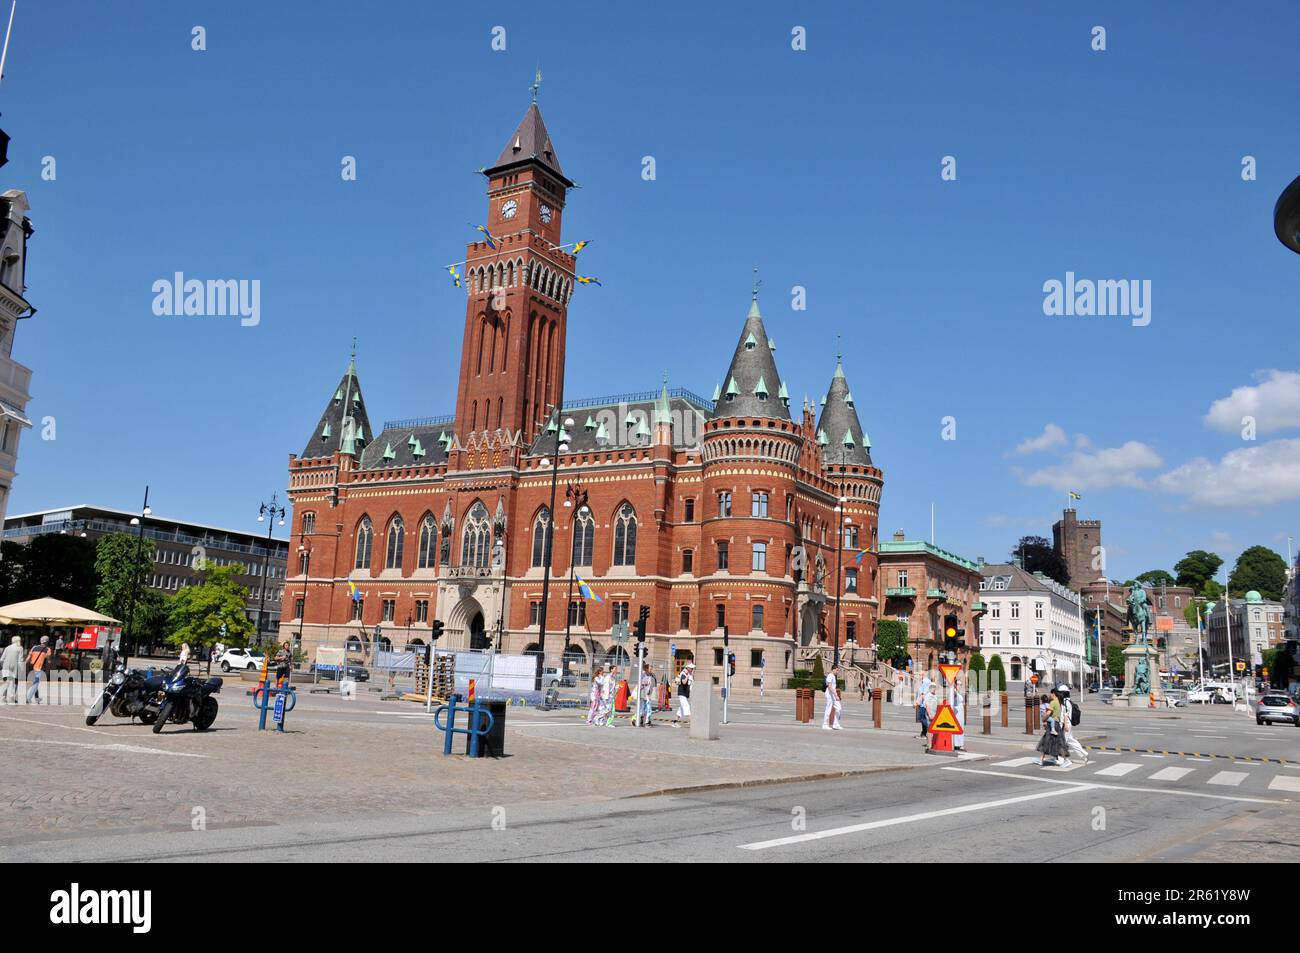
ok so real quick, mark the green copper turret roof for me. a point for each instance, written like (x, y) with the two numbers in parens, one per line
(840, 419)
(752, 365)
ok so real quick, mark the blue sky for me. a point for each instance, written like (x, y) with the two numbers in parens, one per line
(820, 166)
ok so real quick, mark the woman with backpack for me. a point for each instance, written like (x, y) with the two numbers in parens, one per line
(1052, 746)
(1071, 715)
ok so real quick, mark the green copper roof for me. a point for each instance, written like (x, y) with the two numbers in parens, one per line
(760, 389)
(325, 434)
(717, 393)
(732, 389)
(783, 394)
(848, 440)
(750, 341)
(821, 438)
(388, 452)
(590, 424)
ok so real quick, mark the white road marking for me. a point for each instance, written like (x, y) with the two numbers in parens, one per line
(1170, 774)
(1229, 778)
(1118, 770)
(1156, 756)
(910, 818)
(130, 749)
(1284, 783)
(1211, 737)
(1015, 763)
(1119, 787)
(55, 724)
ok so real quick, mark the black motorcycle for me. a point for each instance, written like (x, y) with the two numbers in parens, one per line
(128, 694)
(188, 699)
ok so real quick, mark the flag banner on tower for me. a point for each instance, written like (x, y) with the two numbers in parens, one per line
(584, 590)
(580, 246)
(861, 553)
(1075, 496)
(487, 236)
(587, 280)
(354, 591)
(451, 269)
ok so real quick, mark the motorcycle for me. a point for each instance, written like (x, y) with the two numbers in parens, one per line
(128, 694)
(188, 699)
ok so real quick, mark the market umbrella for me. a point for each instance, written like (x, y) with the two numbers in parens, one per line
(49, 612)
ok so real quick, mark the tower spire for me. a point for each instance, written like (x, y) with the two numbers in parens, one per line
(537, 82)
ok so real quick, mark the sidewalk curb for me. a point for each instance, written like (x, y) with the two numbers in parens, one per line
(796, 779)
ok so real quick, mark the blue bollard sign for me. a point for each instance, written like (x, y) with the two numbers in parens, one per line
(278, 715)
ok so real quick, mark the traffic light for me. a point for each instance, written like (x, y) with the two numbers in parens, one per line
(950, 631)
(731, 664)
(961, 638)
(435, 631)
(726, 636)
(640, 624)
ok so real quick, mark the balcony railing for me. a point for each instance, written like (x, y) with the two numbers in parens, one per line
(75, 527)
(901, 592)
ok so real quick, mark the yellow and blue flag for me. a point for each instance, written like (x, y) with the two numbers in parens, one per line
(861, 553)
(588, 280)
(1075, 496)
(451, 269)
(354, 591)
(585, 590)
(487, 236)
(580, 246)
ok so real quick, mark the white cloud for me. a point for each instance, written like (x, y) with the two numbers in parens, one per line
(1089, 469)
(1253, 476)
(1052, 436)
(1274, 403)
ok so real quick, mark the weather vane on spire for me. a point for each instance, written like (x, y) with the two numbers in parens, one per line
(537, 83)
(757, 281)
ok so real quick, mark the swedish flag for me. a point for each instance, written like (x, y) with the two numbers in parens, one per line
(1075, 496)
(588, 280)
(580, 246)
(584, 590)
(487, 236)
(451, 269)
(354, 591)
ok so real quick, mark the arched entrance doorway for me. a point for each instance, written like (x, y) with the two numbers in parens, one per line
(1015, 668)
(478, 640)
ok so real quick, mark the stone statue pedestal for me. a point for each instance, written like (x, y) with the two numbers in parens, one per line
(1132, 656)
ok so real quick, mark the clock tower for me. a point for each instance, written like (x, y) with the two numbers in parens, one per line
(512, 355)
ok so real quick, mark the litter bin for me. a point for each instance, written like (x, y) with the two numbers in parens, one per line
(803, 704)
(493, 744)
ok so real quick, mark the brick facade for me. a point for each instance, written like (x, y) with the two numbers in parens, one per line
(709, 512)
(1079, 543)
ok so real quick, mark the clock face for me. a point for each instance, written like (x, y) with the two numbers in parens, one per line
(508, 208)
(546, 214)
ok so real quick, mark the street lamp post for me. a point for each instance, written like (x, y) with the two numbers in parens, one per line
(304, 553)
(499, 553)
(575, 497)
(561, 446)
(138, 522)
(274, 511)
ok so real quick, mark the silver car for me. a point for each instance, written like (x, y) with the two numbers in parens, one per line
(1274, 707)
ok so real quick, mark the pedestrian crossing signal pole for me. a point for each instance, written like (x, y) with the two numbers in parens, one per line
(641, 623)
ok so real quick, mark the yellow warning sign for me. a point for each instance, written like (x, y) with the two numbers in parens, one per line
(945, 721)
(950, 672)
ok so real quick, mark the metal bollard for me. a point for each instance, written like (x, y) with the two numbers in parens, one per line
(875, 706)
(1038, 718)
(1003, 699)
(1030, 708)
(988, 717)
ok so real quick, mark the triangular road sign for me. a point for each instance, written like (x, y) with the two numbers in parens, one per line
(950, 672)
(945, 721)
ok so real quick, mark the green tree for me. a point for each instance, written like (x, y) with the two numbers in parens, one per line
(891, 641)
(1211, 590)
(1115, 660)
(197, 613)
(997, 675)
(1157, 577)
(120, 561)
(1037, 555)
(977, 663)
(1196, 567)
(54, 565)
(1260, 569)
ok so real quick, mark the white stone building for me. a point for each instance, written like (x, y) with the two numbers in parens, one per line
(1032, 622)
(15, 379)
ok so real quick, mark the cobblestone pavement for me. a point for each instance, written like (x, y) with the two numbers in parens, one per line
(365, 758)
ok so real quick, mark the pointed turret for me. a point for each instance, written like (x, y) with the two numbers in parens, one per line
(751, 374)
(839, 432)
(343, 425)
(529, 142)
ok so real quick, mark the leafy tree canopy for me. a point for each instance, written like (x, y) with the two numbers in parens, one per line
(1037, 555)
(1157, 577)
(891, 640)
(1261, 569)
(1196, 567)
(120, 560)
(197, 613)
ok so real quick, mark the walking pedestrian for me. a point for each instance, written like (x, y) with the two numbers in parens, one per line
(959, 709)
(184, 658)
(684, 680)
(922, 696)
(1052, 745)
(11, 671)
(831, 719)
(597, 694)
(37, 661)
(646, 701)
(1072, 745)
(611, 696)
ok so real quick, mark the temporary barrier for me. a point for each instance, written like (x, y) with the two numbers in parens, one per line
(480, 723)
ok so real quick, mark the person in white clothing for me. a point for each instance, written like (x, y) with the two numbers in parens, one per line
(684, 680)
(1067, 717)
(831, 719)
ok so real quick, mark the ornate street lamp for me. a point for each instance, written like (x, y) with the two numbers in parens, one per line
(575, 497)
(274, 511)
(1286, 216)
(128, 640)
(561, 446)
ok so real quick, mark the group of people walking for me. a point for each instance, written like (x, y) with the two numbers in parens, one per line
(1058, 743)
(36, 663)
(610, 693)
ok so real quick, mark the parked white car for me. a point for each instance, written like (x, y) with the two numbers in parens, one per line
(241, 659)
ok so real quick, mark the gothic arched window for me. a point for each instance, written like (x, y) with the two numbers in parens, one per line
(396, 540)
(428, 543)
(365, 540)
(542, 534)
(584, 530)
(625, 536)
(476, 543)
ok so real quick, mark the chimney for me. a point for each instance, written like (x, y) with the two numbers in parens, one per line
(899, 536)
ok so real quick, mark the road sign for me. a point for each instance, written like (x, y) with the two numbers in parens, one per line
(1241, 666)
(945, 721)
(278, 715)
(950, 672)
(620, 632)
